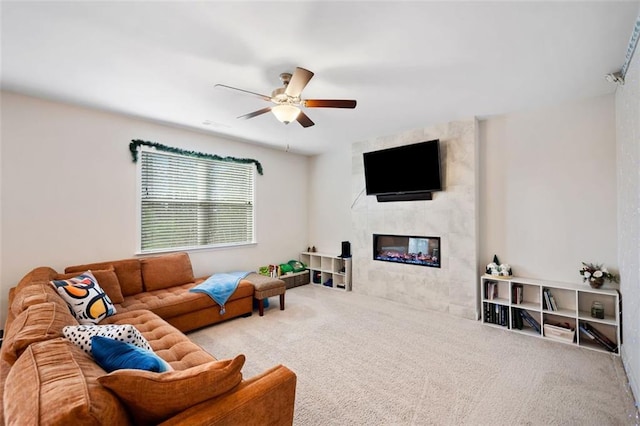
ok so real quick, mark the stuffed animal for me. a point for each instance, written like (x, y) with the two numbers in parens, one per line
(505, 270)
(498, 269)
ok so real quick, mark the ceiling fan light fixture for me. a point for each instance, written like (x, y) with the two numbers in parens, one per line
(286, 113)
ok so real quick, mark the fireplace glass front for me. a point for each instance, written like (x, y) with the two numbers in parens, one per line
(412, 250)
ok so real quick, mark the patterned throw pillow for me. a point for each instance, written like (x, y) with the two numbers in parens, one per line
(86, 300)
(81, 335)
(107, 279)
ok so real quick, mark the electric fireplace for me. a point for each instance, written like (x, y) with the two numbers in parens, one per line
(412, 250)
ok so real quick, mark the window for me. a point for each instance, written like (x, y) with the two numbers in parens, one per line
(189, 202)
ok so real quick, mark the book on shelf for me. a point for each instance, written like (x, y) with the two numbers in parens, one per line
(491, 290)
(554, 305)
(516, 294)
(530, 320)
(549, 301)
(516, 320)
(546, 303)
(597, 336)
(586, 332)
(496, 314)
(487, 312)
(591, 336)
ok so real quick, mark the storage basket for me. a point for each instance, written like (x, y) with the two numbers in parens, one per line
(559, 333)
(301, 279)
(295, 279)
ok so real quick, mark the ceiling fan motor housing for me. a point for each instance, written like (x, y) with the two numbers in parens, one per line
(285, 78)
(278, 96)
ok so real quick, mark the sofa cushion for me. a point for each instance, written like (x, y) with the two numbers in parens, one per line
(178, 300)
(165, 340)
(107, 279)
(127, 270)
(35, 294)
(40, 322)
(39, 274)
(153, 397)
(80, 335)
(166, 271)
(86, 299)
(54, 382)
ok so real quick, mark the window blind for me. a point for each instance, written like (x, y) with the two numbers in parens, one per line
(189, 202)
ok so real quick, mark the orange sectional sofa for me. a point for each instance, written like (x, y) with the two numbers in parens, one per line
(161, 284)
(46, 379)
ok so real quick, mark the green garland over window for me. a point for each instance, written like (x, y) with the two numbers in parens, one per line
(135, 143)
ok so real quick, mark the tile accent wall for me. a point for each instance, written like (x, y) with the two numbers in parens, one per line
(451, 215)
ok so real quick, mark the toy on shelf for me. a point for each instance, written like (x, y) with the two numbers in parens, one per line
(496, 268)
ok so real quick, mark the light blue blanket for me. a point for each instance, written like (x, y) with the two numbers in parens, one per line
(220, 287)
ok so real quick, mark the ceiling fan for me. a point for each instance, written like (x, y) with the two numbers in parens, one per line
(287, 99)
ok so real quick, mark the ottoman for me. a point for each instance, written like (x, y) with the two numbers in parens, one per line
(266, 287)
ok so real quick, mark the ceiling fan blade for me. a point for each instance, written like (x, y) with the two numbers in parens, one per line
(255, 113)
(329, 103)
(304, 120)
(264, 97)
(298, 82)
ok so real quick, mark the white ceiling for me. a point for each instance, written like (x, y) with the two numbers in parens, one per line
(408, 64)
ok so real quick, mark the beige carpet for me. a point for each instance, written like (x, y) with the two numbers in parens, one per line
(361, 360)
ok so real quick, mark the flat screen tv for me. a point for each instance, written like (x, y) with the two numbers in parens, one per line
(403, 173)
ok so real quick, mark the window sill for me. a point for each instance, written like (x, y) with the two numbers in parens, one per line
(194, 249)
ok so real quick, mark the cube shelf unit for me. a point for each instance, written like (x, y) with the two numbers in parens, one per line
(328, 267)
(572, 310)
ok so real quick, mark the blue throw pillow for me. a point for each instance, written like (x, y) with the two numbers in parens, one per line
(114, 355)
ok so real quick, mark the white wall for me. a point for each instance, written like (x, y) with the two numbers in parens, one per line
(628, 147)
(547, 181)
(69, 195)
(330, 200)
(3, 293)
(548, 189)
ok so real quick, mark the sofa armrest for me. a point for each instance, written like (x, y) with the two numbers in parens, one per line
(266, 399)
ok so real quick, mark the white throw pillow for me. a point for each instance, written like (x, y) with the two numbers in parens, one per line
(80, 335)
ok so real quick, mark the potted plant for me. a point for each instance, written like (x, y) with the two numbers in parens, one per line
(596, 274)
